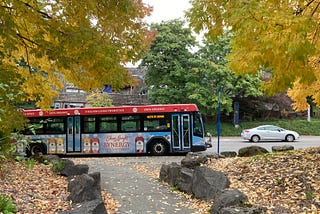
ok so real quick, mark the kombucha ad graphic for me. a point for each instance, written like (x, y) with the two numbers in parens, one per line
(87, 144)
(118, 143)
(139, 143)
(95, 144)
(60, 145)
(52, 145)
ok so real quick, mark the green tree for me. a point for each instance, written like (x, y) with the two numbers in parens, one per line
(99, 99)
(86, 42)
(211, 74)
(168, 62)
(281, 36)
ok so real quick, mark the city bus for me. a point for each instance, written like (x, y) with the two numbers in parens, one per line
(148, 129)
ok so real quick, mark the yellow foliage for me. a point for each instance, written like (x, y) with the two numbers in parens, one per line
(280, 36)
(44, 42)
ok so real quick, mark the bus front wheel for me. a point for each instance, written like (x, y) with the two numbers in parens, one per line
(158, 148)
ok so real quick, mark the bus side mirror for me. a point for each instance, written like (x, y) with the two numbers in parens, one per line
(209, 142)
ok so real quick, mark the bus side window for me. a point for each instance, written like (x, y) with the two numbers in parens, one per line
(108, 124)
(89, 124)
(55, 126)
(130, 123)
(36, 126)
(151, 123)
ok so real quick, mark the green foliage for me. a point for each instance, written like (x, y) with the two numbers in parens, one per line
(178, 75)
(211, 74)
(29, 163)
(99, 99)
(57, 166)
(6, 205)
(309, 195)
(168, 62)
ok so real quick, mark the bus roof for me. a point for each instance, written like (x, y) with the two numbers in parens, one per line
(112, 110)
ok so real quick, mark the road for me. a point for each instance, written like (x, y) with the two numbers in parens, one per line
(236, 143)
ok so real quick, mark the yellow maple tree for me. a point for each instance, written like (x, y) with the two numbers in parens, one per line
(86, 43)
(280, 36)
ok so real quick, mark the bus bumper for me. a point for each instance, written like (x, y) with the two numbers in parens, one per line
(198, 148)
(208, 144)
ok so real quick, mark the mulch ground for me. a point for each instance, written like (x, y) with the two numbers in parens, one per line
(282, 182)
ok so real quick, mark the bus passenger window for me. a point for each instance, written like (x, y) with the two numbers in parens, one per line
(130, 123)
(156, 123)
(89, 124)
(108, 124)
(36, 126)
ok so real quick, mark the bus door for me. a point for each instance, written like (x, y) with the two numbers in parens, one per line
(181, 138)
(73, 134)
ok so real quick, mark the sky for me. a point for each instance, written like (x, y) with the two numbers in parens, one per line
(164, 10)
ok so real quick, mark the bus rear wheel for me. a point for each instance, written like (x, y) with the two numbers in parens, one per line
(36, 149)
(158, 148)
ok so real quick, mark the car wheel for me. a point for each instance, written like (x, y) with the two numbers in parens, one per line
(255, 138)
(290, 138)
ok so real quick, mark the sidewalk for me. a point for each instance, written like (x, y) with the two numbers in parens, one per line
(136, 192)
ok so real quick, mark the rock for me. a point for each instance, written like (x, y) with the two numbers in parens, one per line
(164, 173)
(229, 154)
(186, 179)
(170, 173)
(194, 159)
(251, 151)
(174, 174)
(228, 198)
(83, 188)
(70, 169)
(89, 207)
(208, 183)
(282, 148)
(242, 210)
(213, 155)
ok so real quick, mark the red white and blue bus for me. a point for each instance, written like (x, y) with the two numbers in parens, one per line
(155, 129)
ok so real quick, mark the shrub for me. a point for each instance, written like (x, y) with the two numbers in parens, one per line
(6, 205)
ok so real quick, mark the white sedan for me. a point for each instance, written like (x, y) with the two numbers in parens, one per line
(269, 132)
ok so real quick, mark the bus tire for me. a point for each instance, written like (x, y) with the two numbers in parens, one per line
(158, 148)
(36, 149)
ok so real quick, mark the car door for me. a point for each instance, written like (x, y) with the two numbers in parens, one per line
(274, 133)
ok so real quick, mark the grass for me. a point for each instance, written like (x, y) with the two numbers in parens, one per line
(300, 125)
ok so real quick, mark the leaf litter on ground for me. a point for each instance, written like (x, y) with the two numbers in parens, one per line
(283, 182)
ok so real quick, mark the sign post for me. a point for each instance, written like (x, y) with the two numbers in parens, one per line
(218, 125)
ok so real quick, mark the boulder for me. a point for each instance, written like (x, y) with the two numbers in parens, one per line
(208, 183)
(229, 154)
(213, 155)
(282, 148)
(70, 169)
(252, 151)
(243, 210)
(194, 159)
(185, 181)
(84, 188)
(89, 207)
(228, 198)
(163, 176)
(170, 173)
(174, 174)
